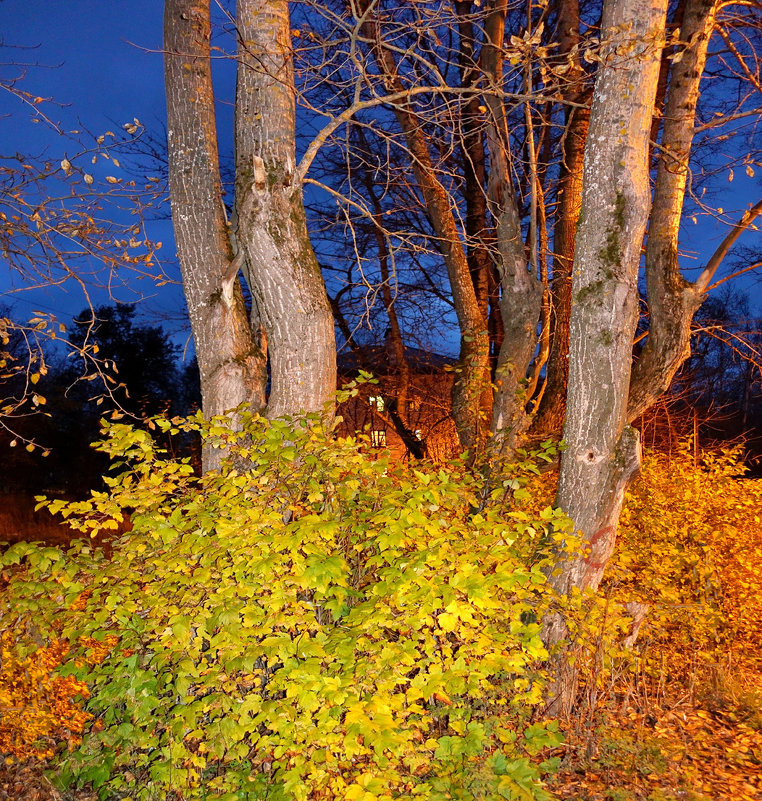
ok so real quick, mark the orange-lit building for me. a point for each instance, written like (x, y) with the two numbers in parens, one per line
(408, 420)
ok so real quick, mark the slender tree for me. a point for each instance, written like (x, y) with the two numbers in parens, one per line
(673, 300)
(606, 392)
(576, 89)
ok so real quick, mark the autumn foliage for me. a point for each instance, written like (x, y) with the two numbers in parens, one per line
(39, 709)
(307, 623)
(691, 547)
(314, 623)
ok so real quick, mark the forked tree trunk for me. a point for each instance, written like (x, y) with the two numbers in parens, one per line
(672, 301)
(603, 453)
(232, 368)
(270, 232)
(283, 272)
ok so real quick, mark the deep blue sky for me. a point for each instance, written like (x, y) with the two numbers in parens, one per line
(95, 59)
(101, 62)
(101, 59)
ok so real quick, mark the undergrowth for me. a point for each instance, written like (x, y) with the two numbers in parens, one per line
(314, 621)
(307, 622)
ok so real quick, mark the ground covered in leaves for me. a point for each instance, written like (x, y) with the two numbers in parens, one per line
(684, 753)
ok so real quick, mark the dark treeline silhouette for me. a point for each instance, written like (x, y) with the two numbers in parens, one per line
(121, 365)
(118, 365)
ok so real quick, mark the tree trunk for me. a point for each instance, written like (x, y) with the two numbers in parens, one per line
(269, 239)
(521, 291)
(603, 453)
(283, 273)
(231, 366)
(550, 415)
(672, 301)
(472, 146)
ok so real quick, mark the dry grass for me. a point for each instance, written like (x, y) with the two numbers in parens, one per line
(19, 522)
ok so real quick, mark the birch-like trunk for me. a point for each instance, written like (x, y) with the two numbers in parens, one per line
(232, 367)
(672, 301)
(603, 453)
(283, 273)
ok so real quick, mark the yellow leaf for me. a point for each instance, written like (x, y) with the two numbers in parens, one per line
(447, 621)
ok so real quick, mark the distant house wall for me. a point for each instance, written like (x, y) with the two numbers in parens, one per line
(428, 414)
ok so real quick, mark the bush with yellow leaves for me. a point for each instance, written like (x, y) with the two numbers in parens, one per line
(690, 546)
(305, 623)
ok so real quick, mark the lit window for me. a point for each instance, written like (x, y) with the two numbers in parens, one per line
(377, 401)
(378, 438)
(418, 434)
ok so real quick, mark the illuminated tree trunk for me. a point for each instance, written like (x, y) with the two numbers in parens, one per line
(550, 415)
(672, 301)
(603, 453)
(268, 236)
(474, 171)
(232, 367)
(283, 273)
(521, 292)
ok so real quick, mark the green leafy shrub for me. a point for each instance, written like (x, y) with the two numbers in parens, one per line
(306, 623)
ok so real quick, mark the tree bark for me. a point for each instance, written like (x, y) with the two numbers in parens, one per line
(472, 145)
(603, 453)
(672, 301)
(231, 366)
(521, 291)
(283, 273)
(550, 414)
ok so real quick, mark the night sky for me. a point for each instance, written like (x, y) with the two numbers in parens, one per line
(101, 66)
